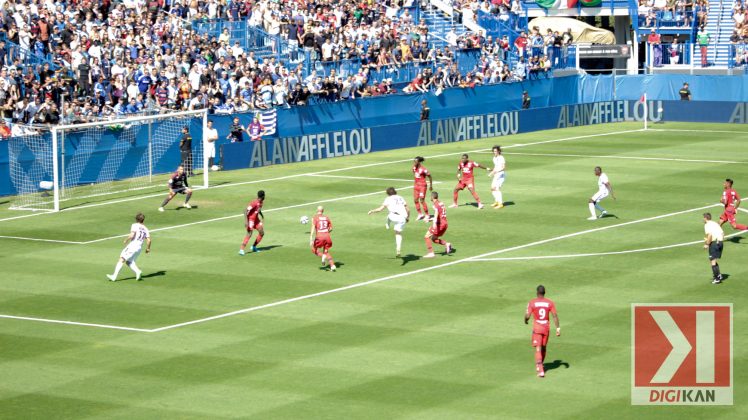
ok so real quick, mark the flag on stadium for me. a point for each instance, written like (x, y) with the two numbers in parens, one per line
(268, 120)
(643, 98)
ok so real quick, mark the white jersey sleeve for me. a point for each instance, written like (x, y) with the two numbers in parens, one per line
(601, 181)
(395, 205)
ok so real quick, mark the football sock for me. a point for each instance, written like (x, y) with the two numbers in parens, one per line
(166, 201)
(454, 197)
(398, 240)
(211, 162)
(439, 241)
(542, 355)
(117, 268)
(245, 241)
(592, 210)
(329, 258)
(597, 206)
(539, 359)
(715, 270)
(425, 209)
(740, 227)
(187, 199)
(134, 267)
(257, 241)
(497, 196)
(429, 246)
(418, 207)
(475, 195)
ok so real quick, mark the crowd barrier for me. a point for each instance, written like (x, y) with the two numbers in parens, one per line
(390, 122)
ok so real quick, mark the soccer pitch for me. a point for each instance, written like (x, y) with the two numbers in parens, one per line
(210, 334)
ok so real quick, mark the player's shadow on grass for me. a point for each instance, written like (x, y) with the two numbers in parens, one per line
(607, 215)
(555, 365)
(154, 274)
(268, 248)
(736, 239)
(338, 264)
(408, 258)
(193, 207)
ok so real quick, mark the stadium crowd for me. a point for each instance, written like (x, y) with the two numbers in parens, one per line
(144, 56)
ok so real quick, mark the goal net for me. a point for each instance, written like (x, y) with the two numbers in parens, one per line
(93, 162)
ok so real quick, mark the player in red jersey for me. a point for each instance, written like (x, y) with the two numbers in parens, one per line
(731, 200)
(540, 308)
(465, 179)
(319, 237)
(420, 173)
(252, 216)
(438, 228)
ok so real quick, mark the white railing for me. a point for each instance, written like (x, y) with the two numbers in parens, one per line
(447, 8)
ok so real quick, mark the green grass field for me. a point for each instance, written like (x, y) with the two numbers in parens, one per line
(410, 338)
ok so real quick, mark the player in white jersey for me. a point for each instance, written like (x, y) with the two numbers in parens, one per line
(499, 165)
(398, 216)
(138, 234)
(603, 190)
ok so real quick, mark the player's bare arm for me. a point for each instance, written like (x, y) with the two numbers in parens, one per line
(407, 213)
(527, 317)
(610, 190)
(708, 240)
(377, 210)
(148, 245)
(558, 325)
(312, 234)
(431, 182)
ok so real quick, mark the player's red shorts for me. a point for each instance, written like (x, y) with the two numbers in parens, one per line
(461, 184)
(539, 339)
(419, 191)
(438, 231)
(728, 215)
(322, 242)
(252, 225)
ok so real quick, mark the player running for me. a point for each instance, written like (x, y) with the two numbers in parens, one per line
(178, 185)
(540, 308)
(252, 216)
(731, 201)
(465, 179)
(603, 190)
(319, 237)
(138, 234)
(499, 165)
(255, 129)
(438, 228)
(399, 214)
(420, 173)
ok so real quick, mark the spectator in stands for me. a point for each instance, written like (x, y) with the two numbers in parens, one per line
(685, 93)
(675, 51)
(4, 130)
(656, 48)
(703, 38)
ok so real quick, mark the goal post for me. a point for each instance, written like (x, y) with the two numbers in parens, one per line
(94, 162)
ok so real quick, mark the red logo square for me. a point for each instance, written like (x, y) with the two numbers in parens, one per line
(681, 354)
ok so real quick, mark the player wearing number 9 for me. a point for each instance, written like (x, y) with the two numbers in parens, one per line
(539, 308)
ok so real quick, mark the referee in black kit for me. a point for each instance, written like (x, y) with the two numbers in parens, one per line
(425, 110)
(185, 148)
(713, 243)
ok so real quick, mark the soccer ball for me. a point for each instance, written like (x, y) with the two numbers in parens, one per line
(214, 168)
(304, 220)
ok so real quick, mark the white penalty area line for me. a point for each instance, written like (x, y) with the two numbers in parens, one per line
(366, 178)
(600, 254)
(80, 324)
(23, 238)
(361, 284)
(626, 157)
(348, 168)
(696, 131)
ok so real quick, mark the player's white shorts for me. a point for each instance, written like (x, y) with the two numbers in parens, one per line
(498, 180)
(599, 195)
(210, 149)
(397, 221)
(130, 254)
